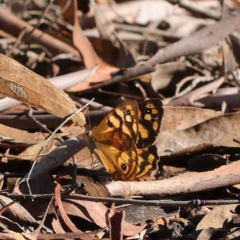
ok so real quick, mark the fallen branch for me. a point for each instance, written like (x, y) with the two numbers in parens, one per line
(186, 183)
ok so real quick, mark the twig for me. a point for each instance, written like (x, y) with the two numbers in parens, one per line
(163, 203)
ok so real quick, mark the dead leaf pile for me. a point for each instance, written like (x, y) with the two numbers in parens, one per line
(57, 56)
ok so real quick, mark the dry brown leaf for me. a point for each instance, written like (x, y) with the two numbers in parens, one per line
(20, 83)
(180, 118)
(217, 217)
(68, 13)
(95, 210)
(218, 131)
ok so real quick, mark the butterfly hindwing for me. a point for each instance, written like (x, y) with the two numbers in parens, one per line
(147, 161)
(150, 116)
(124, 157)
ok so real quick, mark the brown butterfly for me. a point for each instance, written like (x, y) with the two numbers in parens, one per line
(123, 140)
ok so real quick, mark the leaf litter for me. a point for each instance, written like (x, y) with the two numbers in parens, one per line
(58, 55)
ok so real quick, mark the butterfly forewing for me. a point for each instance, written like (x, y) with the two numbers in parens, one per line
(124, 117)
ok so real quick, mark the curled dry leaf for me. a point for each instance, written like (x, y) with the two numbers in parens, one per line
(190, 99)
(167, 72)
(22, 84)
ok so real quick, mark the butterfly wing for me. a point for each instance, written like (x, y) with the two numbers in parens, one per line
(123, 118)
(119, 156)
(150, 117)
(147, 161)
(114, 141)
(123, 140)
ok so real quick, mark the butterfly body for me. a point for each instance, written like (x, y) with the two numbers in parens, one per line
(123, 140)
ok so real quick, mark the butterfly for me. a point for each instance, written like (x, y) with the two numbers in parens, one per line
(123, 141)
